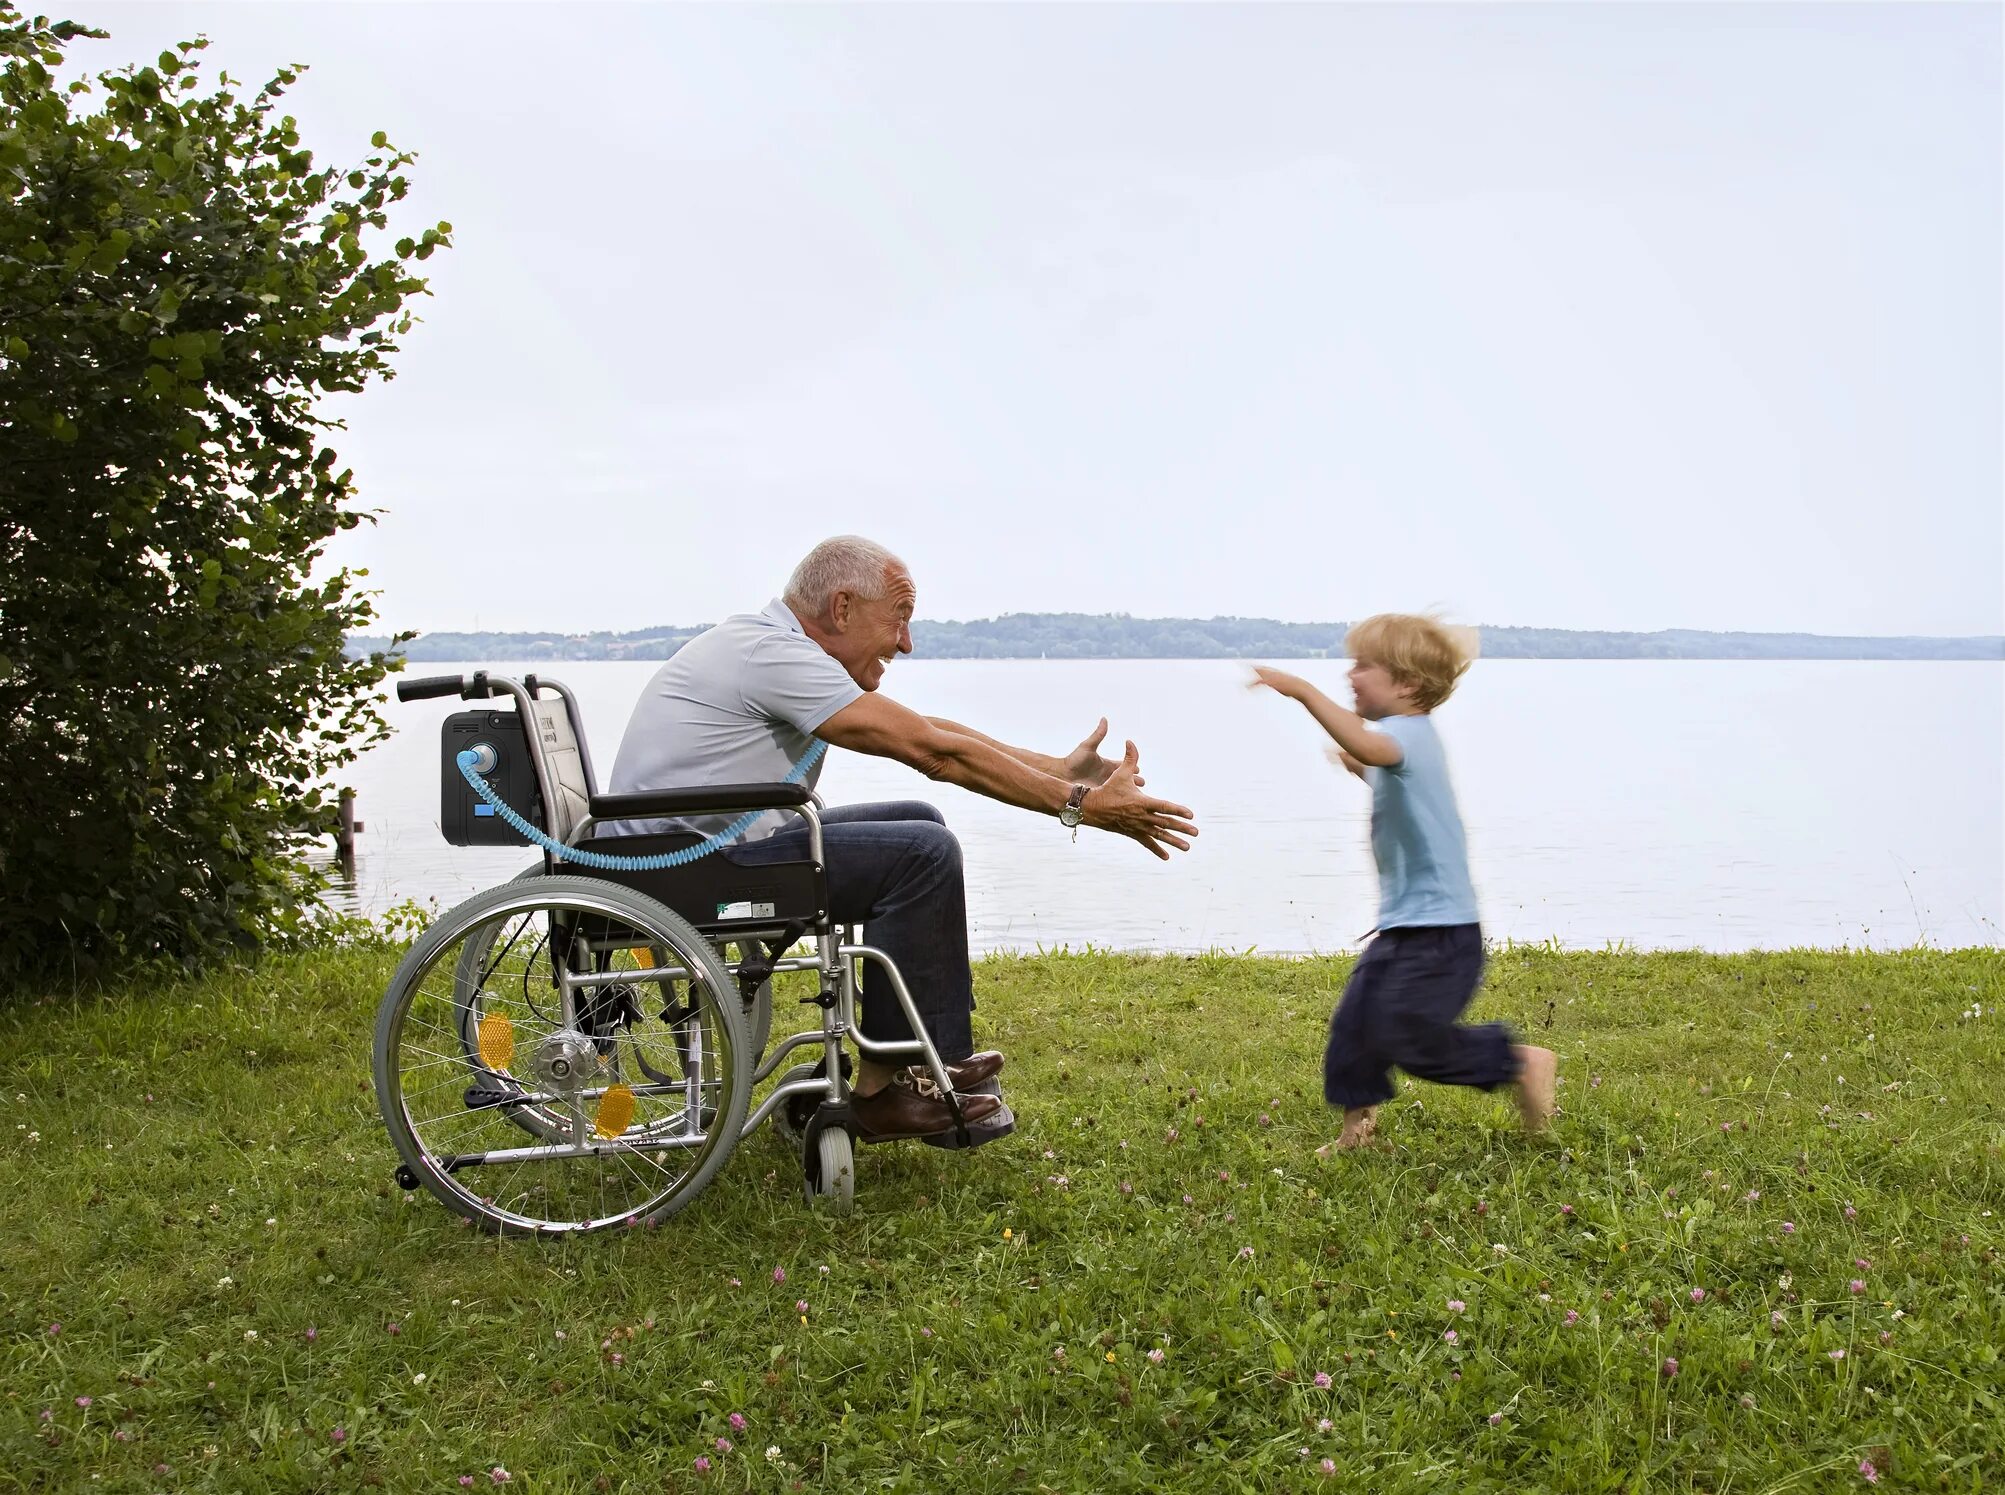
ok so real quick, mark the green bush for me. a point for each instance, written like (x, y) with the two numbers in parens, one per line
(179, 287)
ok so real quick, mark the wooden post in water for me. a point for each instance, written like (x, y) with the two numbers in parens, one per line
(345, 834)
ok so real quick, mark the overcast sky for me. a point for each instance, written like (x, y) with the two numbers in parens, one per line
(1584, 316)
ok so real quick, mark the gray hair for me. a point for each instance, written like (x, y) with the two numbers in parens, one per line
(847, 563)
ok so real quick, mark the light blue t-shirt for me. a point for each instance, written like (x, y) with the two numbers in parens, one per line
(1416, 832)
(738, 704)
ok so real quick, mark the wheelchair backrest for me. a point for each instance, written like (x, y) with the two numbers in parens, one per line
(564, 765)
(537, 760)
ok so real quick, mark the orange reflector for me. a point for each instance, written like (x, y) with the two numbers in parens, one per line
(497, 1040)
(616, 1111)
(643, 955)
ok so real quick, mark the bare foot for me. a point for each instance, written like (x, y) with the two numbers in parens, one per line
(1359, 1124)
(1537, 1073)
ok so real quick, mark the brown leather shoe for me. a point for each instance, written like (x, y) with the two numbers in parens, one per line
(899, 1111)
(975, 1069)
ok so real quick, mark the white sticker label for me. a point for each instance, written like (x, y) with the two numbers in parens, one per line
(745, 910)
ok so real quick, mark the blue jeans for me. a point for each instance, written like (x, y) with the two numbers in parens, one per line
(1400, 1009)
(896, 868)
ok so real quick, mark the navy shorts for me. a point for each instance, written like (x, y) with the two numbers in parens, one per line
(1399, 1010)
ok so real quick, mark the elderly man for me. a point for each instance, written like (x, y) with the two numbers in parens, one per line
(743, 702)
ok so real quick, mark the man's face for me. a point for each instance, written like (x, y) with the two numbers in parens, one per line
(871, 632)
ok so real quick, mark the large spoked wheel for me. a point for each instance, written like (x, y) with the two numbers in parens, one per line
(478, 950)
(601, 1025)
(469, 974)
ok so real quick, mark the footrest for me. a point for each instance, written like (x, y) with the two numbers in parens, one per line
(988, 1129)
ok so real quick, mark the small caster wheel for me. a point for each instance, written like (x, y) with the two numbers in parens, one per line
(406, 1179)
(836, 1188)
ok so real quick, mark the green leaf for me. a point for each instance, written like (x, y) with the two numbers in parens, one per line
(195, 701)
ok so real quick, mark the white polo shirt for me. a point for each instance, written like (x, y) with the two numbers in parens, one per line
(738, 704)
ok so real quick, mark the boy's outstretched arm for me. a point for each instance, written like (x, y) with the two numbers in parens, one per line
(1345, 727)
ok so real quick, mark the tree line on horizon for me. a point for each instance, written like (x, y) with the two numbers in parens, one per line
(1120, 636)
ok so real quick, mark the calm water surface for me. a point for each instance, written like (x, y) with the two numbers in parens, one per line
(1718, 805)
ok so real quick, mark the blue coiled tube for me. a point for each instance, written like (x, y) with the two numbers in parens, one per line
(608, 863)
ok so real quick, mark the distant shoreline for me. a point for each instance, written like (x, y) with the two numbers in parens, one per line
(1117, 636)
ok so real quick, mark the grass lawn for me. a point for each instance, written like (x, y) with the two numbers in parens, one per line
(1760, 1250)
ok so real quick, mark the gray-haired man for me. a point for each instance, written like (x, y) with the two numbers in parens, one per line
(741, 703)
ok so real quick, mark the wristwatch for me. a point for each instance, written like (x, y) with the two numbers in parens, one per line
(1074, 809)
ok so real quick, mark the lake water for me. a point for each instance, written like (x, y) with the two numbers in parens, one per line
(1719, 805)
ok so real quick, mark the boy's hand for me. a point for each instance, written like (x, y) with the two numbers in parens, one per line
(1344, 760)
(1278, 681)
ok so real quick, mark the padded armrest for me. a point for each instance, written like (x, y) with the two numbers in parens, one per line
(709, 799)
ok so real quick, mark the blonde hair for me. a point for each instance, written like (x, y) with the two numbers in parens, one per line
(1420, 652)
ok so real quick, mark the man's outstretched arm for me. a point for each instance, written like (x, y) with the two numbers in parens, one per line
(1083, 765)
(883, 728)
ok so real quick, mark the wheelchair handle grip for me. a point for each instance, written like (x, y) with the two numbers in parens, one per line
(431, 685)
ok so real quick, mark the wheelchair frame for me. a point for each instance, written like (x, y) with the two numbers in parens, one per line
(572, 808)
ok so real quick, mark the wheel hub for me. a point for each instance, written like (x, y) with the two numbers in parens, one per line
(565, 1061)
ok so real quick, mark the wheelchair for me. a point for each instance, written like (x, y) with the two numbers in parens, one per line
(576, 1050)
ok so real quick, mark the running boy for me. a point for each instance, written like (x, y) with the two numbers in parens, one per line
(1421, 969)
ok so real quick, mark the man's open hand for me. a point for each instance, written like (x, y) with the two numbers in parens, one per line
(1118, 805)
(1084, 765)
